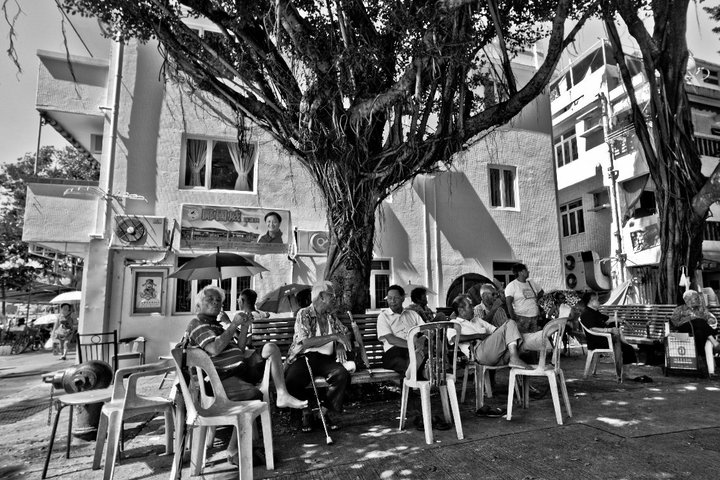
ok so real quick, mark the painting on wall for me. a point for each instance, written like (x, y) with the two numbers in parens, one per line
(147, 295)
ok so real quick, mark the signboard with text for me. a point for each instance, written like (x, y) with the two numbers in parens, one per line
(248, 230)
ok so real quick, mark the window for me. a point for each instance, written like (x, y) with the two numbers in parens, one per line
(502, 272)
(601, 199)
(185, 291)
(711, 77)
(566, 150)
(571, 217)
(502, 186)
(379, 283)
(219, 165)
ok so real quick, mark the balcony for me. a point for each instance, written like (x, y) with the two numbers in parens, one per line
(708, 146)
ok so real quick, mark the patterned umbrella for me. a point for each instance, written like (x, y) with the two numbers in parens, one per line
(219, 265)
(282, 299)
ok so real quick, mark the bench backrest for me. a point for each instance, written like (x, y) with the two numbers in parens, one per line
(642, 321)
(280, 331)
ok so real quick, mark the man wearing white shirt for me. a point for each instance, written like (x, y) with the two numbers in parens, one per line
(393, 325)
(495, 346)
(521, 296)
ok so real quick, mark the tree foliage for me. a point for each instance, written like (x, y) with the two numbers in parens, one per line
(365, 94)
(18, 269)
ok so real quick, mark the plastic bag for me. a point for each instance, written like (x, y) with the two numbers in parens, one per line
(49, 344)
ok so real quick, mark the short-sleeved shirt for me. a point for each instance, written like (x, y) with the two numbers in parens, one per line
(498, 318)
(470, 327)
(398, 324)
(306, 326)
(203, 330)
(684, 314)
(524, 297)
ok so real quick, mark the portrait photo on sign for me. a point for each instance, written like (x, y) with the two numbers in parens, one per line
(147, 291)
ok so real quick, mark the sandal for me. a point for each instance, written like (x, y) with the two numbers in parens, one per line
(307, 423)
(490, 412)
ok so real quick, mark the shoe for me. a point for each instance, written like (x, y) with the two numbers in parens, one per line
(307, 423)
(643, 379)
(330, 423)
(62, 358)
(490, 412)
(439, 423)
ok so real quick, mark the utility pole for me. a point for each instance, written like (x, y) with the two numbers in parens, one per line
(612, 175)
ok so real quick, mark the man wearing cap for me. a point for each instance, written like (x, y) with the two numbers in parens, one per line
(322, 339)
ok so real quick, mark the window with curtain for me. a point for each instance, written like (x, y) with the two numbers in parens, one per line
(503, 187)
(219, 165)
(572, 218)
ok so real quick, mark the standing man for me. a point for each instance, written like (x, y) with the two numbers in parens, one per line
(521, 296)
(324, 341)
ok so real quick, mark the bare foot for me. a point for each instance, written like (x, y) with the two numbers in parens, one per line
(288, 401)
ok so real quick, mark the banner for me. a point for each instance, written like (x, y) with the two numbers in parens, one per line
(248, 230)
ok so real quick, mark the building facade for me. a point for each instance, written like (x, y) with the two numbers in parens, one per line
(174, 184)
(609, 224)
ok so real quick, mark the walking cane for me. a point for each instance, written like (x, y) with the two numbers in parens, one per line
(328, 440)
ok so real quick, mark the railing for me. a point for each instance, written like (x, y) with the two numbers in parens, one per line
(709, 147)
(711, 231)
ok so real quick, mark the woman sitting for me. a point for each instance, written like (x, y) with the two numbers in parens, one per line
(695, 319)
(597, 322)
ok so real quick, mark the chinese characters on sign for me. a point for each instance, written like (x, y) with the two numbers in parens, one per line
(249, 230)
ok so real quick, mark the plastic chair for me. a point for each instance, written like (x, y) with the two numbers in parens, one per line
(594, 355)
(481, 376)
(131, 351)
(438, 363)
(216, 410)
(127, 403)
(72, 400)
(552, 331)
(98, 346)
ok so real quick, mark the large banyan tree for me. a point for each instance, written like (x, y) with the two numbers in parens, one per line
(665, 132)
(365, 94)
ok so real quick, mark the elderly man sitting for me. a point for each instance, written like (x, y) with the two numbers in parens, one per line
(695, 319)
(324, 341)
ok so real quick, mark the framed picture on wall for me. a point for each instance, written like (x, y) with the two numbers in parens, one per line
(148, 291)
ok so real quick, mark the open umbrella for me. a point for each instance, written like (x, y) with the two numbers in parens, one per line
(48, 319)
(218, 265)
(67, 297)
(282, 299)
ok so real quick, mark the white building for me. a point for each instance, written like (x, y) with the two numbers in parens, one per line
(581, 95)
(448, 231)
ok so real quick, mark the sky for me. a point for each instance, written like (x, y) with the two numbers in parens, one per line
(39, 27)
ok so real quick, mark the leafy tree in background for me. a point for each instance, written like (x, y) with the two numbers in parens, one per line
(364, 94)
(17, 269)
(666, 132)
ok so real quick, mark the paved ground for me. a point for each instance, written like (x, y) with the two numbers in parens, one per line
(667, 429)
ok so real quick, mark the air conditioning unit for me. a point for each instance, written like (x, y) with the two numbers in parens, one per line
(583, 271)
(138, 232)
(312, 242)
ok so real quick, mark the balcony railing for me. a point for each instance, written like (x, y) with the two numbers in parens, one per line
(708, 146)
(711, 231)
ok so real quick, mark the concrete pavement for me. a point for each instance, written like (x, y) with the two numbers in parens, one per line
(668, 429)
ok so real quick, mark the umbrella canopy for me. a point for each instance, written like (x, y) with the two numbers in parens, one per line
(282, 299)
(67, 297)
(219, 265)
(46, 319)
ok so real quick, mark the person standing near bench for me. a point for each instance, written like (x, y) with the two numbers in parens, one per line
(695, 319)
(521, 296)
(322, 339)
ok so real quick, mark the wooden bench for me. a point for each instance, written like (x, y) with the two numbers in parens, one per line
(280, 331)
(644, 324)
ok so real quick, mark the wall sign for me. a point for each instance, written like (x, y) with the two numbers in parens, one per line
(148, 291)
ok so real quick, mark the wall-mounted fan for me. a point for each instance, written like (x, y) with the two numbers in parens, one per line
(130, 230)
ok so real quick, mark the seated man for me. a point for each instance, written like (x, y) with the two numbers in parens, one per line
(254, 368)
(600, 323)
(695, 319)
(418, 297)
(494, 346)
(393, 325)
(491, 307)
(324, 341)
(204, 331)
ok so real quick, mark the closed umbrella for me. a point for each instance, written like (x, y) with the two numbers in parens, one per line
(219, 265)
(282, 299)
(67, 297)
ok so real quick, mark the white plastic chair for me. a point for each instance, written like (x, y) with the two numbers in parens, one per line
(438, 364)
(553, 331)
(127, 403)
(594, 355)
(217, 410)
(481, 377)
